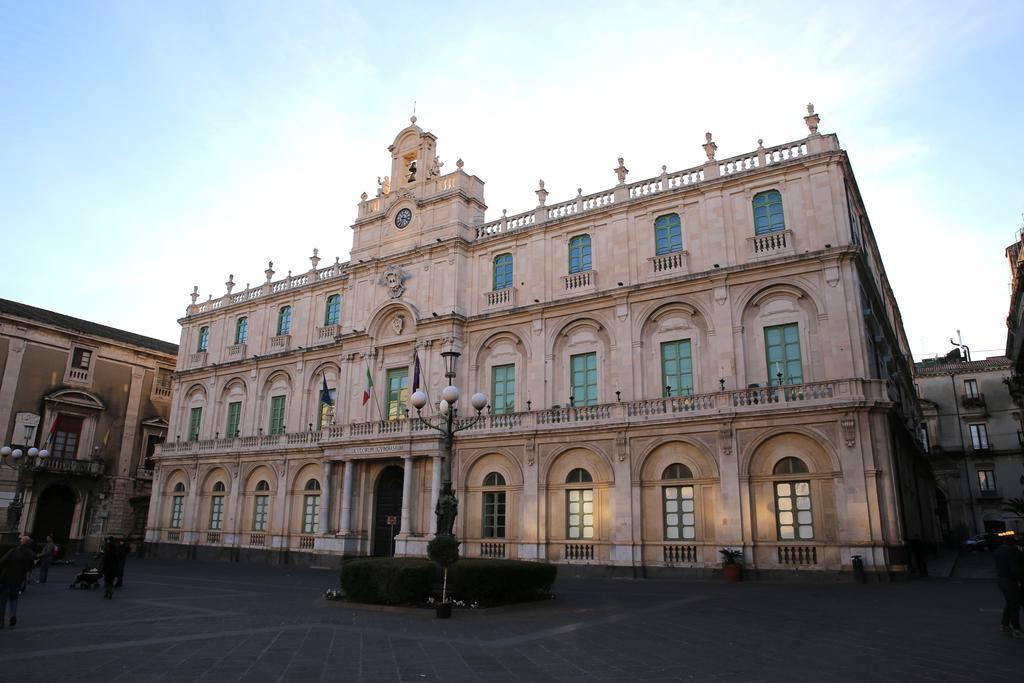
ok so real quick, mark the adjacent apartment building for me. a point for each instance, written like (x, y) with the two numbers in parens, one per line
(707, 358)
(971, 431)
(96, 400)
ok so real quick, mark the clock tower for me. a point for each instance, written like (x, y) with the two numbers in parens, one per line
(419, 204)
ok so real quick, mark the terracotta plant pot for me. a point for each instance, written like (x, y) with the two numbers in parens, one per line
(733, 572)
(444, 610)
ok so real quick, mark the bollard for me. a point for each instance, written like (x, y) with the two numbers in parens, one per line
(858, 570)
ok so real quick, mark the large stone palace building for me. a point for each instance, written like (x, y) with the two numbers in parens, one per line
(96, 399)
(707, 358)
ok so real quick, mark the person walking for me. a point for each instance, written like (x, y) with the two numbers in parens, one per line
(46, 558)
(1009, 574)
(123, 548)
(109, 565)
(14, 568)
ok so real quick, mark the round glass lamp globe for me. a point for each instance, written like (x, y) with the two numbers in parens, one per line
(44, 453)
(442, 407)
(16, 453)
(479, 401)
(5, 451)
(450, 394)
(418, 399)
(33, 452)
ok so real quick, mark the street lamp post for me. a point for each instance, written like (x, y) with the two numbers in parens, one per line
(16, 460)
(447, 504)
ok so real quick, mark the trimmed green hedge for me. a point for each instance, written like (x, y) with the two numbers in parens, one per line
(500, 582)
(388, 581)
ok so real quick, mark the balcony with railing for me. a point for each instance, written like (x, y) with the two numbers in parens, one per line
(500, 298)
(716, 405)
(82, 468)
(973, 401)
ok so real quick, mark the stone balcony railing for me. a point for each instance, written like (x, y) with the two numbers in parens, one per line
(236, 351)
(500, 298)
(674, 264)
(583, 281)
(325, 334)
(771, 244)
(719, 404)
(197, 360)
(280, 343)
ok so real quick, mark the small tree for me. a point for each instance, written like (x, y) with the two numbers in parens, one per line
(444, 550)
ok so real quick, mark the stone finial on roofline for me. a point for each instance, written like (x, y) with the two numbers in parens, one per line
(542, 194)
(315, 258)
(812, 119)
(230, 284)
(621, 172)
(710, 147)
(269, 271)
(194, 294)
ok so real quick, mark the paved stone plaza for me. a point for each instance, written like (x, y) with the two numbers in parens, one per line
(195, 621)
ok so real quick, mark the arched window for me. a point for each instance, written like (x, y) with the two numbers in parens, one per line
(332, 312)
(284, 321)
(494, 479)
(312, 485)
(793, 514)
(311, 508)
(579, 254)
(677, 470)
(204, 338)
(261, 505)
(790, 465)
(502, 271)
(241, 330)
(668, 234)
(177, 505)
(494, 507)
(678, 508)
(768, 213)
(579, 476)
(579, 506)
(217, 507)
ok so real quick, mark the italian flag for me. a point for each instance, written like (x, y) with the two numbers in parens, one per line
(369, 386)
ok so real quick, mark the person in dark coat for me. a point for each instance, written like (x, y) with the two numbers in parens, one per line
(46, 558)
(109, 566)
(14, 568)
(1009, 574)
(123, 548)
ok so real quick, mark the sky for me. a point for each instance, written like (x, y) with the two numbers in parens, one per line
(146, 147)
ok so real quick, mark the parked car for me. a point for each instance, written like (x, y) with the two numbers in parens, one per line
(984, 542)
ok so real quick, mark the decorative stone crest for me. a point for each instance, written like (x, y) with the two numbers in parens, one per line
(725, 439)
(392, 279)
(398, 324)
(849, 426)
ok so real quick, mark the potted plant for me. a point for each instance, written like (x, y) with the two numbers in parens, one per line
(444, 550)
(732, 563)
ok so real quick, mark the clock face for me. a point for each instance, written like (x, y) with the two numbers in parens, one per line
(402, 218)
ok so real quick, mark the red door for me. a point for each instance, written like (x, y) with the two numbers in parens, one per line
(66, 435)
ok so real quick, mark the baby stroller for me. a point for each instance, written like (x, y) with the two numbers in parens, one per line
(90, 578)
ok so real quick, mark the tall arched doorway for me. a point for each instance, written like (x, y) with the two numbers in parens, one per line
(55, 509)
(387, 510)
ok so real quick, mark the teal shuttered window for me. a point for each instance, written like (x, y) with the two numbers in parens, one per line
(676, 368)
(668, 234)
(768, 213)
(583, 368)
(782, 348)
